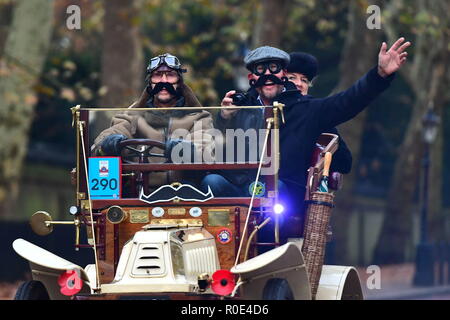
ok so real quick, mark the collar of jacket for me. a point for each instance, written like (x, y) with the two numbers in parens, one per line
(162, 118)
(289, 95)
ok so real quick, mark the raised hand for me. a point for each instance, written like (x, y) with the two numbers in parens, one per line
(390, 61)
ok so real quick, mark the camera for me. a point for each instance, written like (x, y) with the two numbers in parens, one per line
(240, 98)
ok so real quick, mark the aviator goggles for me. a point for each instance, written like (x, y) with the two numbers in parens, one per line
(167, 59)
(260, 68)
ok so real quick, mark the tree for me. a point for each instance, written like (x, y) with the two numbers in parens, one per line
(122, 58)
(270, 23)
(24, 53)
(5, 20)
(354, 63)
(427, 75)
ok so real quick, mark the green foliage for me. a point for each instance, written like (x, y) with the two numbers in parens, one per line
(211, 37)
(205, 36)
(69, 78)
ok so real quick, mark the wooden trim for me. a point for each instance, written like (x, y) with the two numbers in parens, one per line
(134, 202)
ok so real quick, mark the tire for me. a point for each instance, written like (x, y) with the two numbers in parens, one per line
(32, 290)
(277, 289)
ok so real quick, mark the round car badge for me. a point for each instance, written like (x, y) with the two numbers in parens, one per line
(224, 236)
(157, 212)
(195, 212)
(260, 189)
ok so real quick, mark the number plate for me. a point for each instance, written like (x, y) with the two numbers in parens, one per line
(104, 177)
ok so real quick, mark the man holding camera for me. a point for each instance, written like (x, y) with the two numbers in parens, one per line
(306, 117)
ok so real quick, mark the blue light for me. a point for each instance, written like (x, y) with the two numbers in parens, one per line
(278, 208)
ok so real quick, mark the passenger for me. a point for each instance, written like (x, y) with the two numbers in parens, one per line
(165, 88)
(306, 117)
(302, 71)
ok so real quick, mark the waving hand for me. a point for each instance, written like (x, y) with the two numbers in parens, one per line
(390, 61)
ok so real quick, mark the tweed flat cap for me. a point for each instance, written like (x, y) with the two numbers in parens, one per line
(266, 53)
(304, 63)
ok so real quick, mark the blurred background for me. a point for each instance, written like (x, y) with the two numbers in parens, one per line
(385, 214)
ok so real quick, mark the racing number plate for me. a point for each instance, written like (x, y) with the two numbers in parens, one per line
(104, 177)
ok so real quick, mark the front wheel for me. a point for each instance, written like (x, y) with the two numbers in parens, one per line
(277, 289)
(32, 290)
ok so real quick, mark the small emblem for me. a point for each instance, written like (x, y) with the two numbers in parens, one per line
(157, 212)
(259, 188)
(195, 212)
(224, 236)
(103, 168)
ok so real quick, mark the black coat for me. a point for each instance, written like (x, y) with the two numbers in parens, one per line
(342, 158)
(306, 118)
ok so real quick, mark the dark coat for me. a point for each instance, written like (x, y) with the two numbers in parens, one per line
(306, 118)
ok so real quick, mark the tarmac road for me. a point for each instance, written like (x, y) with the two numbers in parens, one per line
(443, 296)
(396, 284)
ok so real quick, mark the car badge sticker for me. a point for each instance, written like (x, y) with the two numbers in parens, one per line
(157, 212)
(103, 168)
(183, 192)
(224, 236)
(260, 189)
(195, 212)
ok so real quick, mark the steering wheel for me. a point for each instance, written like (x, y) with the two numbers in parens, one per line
(131, 146)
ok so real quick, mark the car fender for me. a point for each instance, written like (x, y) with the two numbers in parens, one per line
(339, 283)
(47, 267)
(284, 262)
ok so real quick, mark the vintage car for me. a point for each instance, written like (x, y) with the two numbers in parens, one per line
(177, 242)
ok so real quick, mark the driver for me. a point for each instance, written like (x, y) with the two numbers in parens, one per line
(165, 89)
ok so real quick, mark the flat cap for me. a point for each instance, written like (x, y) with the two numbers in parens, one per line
(303, 63)
(266, 53)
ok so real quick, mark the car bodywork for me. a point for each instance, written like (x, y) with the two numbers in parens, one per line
(177, 253)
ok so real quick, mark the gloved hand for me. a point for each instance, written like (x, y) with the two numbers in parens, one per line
(170, 144)
(110, 145)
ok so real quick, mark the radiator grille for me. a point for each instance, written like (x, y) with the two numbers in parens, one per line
(201, 260)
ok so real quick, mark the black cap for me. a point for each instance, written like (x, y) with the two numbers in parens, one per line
(303, 63)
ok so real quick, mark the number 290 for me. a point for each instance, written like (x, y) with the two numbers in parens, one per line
(104, 183)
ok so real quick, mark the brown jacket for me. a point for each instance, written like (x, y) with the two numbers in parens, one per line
(160, 126)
